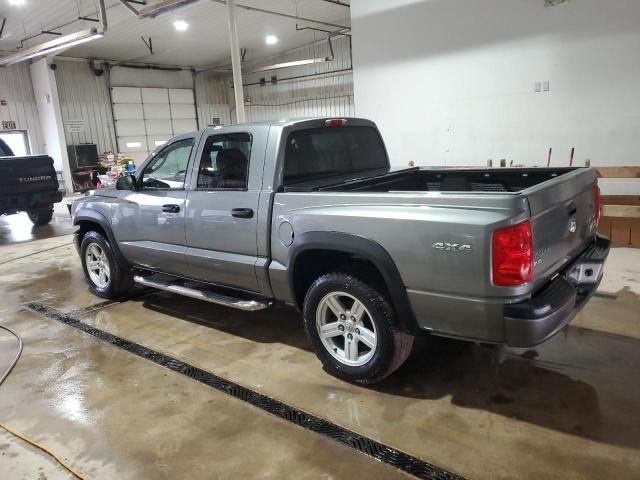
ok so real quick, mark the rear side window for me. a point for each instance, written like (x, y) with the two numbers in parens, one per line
(332, 151)
(225, 162)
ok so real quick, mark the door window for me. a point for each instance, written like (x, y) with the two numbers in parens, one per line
(169, 167)
(225, 162)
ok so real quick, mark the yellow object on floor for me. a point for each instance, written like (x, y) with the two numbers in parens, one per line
(44, 449)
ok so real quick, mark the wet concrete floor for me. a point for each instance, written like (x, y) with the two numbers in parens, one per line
(567, 409)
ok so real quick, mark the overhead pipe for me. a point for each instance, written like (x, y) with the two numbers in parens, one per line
(285, 15)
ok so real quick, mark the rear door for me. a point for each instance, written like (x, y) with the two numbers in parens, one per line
(150, 222)
(222, 215)
(563, 219)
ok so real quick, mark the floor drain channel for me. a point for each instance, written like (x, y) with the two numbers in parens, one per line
(391, 456)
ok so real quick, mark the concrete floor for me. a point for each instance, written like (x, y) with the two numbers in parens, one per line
(567, 409)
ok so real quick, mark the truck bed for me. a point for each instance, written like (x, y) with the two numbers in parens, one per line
(440, 180)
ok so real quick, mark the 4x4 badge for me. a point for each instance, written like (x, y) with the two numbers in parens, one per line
(452, 247)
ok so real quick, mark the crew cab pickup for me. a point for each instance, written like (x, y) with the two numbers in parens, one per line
(309, 213)
(28, 184)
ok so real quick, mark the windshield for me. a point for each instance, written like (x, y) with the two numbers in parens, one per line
(332, 151)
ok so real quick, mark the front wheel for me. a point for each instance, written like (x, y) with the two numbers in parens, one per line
(41, 216)
(106, 278)
(351, 327)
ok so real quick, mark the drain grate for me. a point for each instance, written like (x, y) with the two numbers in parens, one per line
(391, 456)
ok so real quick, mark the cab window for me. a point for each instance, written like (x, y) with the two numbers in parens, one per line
(169, 167)
(224, 164)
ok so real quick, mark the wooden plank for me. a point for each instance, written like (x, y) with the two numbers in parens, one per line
(624, 211)
(621, 233)
(635, 234)
(619, 172)
(620, 200)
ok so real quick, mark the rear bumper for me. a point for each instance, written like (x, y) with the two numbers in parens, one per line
(533, 321)
(20, 202)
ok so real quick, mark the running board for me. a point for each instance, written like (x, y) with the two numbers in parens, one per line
(211, 297)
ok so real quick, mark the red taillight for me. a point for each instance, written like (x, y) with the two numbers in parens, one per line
(512, 255)
(597, 203)
(335, 122)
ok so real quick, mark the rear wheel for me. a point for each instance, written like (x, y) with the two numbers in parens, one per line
(106, 277)
(351, 327)
(41, 216)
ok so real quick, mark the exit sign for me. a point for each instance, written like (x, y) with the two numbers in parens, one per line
(8, 125)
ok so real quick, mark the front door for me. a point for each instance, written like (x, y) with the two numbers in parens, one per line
(150, 226)
(222, 215)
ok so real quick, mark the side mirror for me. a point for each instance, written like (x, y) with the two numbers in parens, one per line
(128, 182)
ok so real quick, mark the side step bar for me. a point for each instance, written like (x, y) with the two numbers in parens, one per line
(217, 298)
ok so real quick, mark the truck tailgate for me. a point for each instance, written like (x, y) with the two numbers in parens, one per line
(27, 174)
(563, 220)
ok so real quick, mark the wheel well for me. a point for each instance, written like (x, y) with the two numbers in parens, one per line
(312, 264)
(85, 226)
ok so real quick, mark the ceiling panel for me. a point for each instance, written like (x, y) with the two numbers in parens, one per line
(205, 43)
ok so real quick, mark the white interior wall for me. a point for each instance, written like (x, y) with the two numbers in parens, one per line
(50, 117)
(452, 82)
(84, 100)
(17, 91)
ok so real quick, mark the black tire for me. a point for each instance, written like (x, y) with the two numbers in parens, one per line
(120, 280)
(392, 348)
(41, 216)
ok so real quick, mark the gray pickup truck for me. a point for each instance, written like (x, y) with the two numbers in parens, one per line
(309, 213)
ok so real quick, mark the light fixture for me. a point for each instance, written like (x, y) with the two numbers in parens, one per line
(60, 43)
(295, 63)
(271, 40)
(180, 25)
(133, 144)
(158, 143)
(16, 3)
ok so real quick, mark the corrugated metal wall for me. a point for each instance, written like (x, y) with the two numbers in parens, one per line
(212, 98)
(84, 97)
(17, 90)
(320, 89)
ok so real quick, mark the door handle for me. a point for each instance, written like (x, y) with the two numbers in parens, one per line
(171, 208)
(242, 212)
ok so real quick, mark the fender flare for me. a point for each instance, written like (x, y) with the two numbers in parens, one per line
(366, 249)
(98, 218)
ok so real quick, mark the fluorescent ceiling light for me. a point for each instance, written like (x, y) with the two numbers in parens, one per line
(133, 144)
(180, 25)
(60, 43)
(271, 40)
(295, 63)
(16, 3)
(159, 142)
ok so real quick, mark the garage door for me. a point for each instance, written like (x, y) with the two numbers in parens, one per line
(148, 117)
